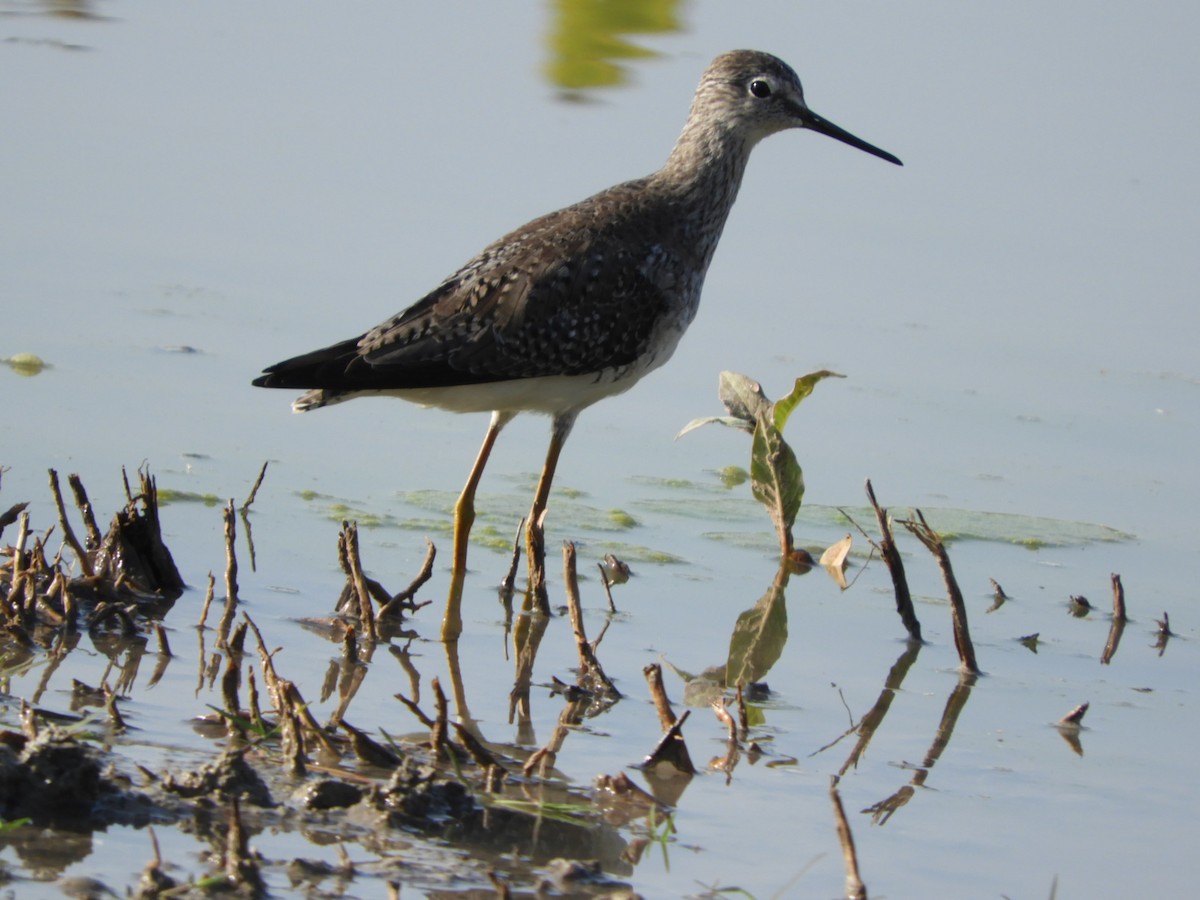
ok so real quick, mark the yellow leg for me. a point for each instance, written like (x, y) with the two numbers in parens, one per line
(535, 540)
(464, 518)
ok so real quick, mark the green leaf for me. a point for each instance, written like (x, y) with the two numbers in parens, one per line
(803, 387)
(743, 397)
(776, 480)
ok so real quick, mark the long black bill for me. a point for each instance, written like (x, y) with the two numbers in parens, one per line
(825, 127)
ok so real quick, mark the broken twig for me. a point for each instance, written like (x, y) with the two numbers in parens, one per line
(962, 634)
(891, 557)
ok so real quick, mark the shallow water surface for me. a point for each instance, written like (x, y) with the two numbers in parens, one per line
(196, 192)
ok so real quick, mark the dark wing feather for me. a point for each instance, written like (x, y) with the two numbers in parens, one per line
(549, 299)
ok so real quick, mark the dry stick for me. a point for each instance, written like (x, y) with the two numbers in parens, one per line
(293, 734)
(962, 635)
(891, 556)
(589, 665)
(230, 682)
(366, 612)
(369, 751)
(68, 533)
(1118, 599)
(38, 554)
(231, 567)
(275, 687)
(423, 576)
(575, 608)
(18, 562)
(254, 490)
(415, 710)
(535, 542)
(58, 588)
(304, 714)
(855, 889)
(231, 598)
(658, 693)
(84, 505)
(482, 756)
(252, 701)
(438, 738)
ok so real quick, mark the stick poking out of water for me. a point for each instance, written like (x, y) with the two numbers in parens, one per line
(962, 634)
(891, 556)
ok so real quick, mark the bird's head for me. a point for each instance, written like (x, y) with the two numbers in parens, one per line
(758, 94)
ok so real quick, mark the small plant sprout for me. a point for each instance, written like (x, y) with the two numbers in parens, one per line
(776, 479)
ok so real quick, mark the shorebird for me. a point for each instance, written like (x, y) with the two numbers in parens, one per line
(575, 306)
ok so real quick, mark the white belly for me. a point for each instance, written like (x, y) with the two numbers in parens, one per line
(552, 394)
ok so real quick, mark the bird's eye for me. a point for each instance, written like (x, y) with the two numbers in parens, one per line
(760, 88)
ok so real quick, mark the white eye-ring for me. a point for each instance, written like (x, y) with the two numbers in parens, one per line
(760, 88)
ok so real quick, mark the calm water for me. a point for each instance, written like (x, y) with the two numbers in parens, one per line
(191, 193)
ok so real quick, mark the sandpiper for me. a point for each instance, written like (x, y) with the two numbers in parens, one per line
(575, 306)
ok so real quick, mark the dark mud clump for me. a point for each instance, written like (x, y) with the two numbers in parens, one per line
(50, 780)
(227, 778)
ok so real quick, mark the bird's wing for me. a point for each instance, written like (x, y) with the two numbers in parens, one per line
(532, 304)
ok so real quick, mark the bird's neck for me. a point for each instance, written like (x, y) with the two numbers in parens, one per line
(703, 174)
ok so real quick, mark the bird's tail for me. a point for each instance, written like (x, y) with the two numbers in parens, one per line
(320, 372)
